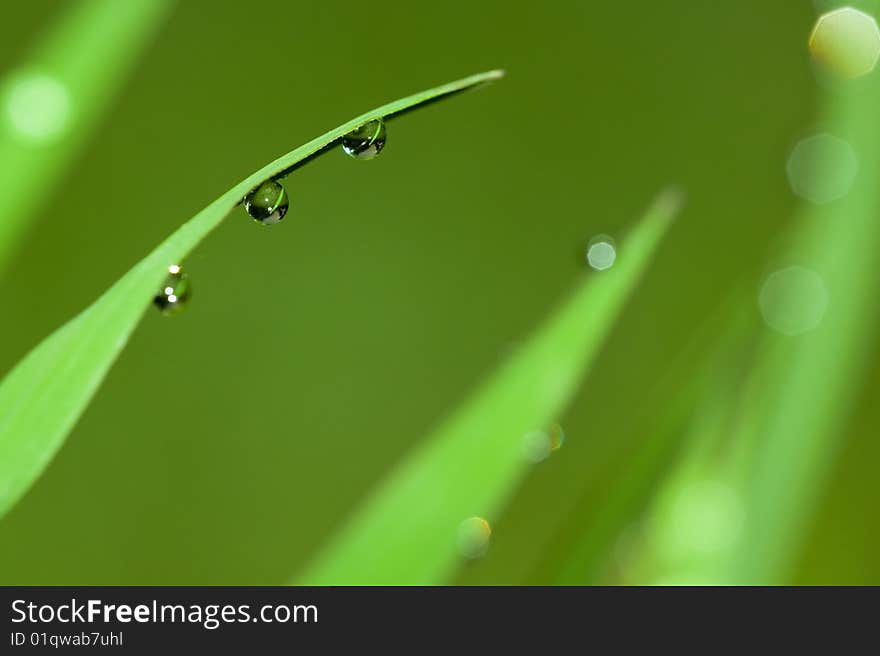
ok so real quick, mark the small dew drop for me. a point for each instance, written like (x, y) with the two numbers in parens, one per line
(365, 142)
(268, 203)
(601, 252)
(473, 537)
(174, 293)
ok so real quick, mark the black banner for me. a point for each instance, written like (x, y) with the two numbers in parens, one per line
(147, 619)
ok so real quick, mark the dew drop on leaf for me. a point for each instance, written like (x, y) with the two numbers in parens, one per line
(174, 293)
(268, 203)
(365, 142)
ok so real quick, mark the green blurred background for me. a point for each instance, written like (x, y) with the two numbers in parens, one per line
(229, 443)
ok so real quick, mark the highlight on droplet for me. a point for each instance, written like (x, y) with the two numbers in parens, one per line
(174, 293)
(474, 534)
(37, 107)
(793, 301)
(846, 42)
(822, 168)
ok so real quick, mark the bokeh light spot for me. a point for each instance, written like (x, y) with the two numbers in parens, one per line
(473, 537)
(37, 107)
(557, 437)
(536, 446)
(539, 444)
(794, 300)
(822, 168)
(705, 517)
(846, 41)
(601, 252)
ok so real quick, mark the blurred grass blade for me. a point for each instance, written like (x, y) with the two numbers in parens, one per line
(724, 345)
(44, 395)
(56, 96)
(790, 418)
(808, 382)
(406, 533)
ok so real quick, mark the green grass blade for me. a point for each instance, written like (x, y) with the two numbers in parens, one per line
(44, 395)
(83, 60)
(790, 418)
(406, 533)
(808, 382)
(723, 342)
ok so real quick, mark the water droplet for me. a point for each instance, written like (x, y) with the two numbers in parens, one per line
(822, 168)
(174, 292)
(601, 252)
(268, 203)
(793, 301)
(846, 41)
(473, 537)
(365, 142)
(38, 107)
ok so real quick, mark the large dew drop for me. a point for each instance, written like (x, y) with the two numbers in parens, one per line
(365, 142)
(268, 203)
(174, 293)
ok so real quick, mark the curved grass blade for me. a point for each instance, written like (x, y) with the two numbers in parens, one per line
(44, 395)
(55, 98)
(406, 533)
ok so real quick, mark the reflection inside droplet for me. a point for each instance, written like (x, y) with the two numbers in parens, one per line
(174, 293)
(366, 141)
(268, 203)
